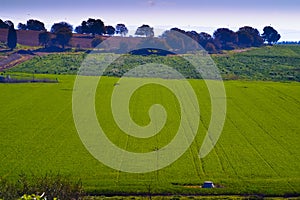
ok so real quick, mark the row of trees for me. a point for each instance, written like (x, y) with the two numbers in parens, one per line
(96, 26)
(60, 33)
(225, 39)
(222, 38)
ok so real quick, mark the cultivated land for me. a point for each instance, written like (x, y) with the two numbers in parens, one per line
(257, 153)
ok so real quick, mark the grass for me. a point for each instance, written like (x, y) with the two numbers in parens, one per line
(257, 153)
(275, 63)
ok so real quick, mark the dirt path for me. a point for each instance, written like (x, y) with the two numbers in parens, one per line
(14, 59)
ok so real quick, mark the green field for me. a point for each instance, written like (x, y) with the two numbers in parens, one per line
(257, 153)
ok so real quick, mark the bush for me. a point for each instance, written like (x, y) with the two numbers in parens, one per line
(49, 186)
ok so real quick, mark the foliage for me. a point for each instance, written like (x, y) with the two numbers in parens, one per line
(223, 39)
(204, 39)
(249, 37)
(121, 29)
(32, 24)
(145, 30)
(91, 26)
(9, 23)
(49, 186)
(174, 40)
(61, 25)
(22, 26)
(226, 38)
(210, 47)
(63, 32)
(110, 30)
(270, 35)
(12, 38)
(45, 38)
(52, 64)
(3, 24)
(33, 197)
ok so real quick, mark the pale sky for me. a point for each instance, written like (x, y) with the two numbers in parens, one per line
(198, 15)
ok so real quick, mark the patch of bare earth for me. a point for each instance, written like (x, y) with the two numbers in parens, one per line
(12, 60)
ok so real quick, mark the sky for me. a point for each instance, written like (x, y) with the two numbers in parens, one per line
(198, 15)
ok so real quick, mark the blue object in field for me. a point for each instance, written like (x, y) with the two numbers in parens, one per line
(208, 184)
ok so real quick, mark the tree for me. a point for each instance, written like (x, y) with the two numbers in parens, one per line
(270, 35)
(194, 35)
(78, 29)
(178, 30)
(63, 36)
(186, 41)
(121, 29)
(204, 39)
(12, 37)
(95, 26)
(57, 26)
(226, 38)
(3, 24)
(145, 30)
(9, 23)
(210, 47)
(44, 38)
(35, 25)
(245, 39)
(63, 32)
(22, 26)
(83, 28)
(91, 26)
(248, 36)
(174, 40)
(110, 30)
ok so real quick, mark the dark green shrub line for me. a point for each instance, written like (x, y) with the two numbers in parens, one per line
(50, 186)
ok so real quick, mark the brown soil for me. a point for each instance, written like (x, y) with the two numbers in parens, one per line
(13, 60)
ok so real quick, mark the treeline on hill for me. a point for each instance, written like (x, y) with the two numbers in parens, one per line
(222, 39)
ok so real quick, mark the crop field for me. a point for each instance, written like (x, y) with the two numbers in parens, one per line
(258, 151)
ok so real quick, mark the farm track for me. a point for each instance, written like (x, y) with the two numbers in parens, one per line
(13, 60)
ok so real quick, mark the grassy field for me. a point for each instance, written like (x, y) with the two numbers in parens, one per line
(257, 153)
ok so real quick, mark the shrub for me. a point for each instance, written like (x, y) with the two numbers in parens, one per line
(49, 186)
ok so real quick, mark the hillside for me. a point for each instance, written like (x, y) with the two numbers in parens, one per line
(276, 63)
